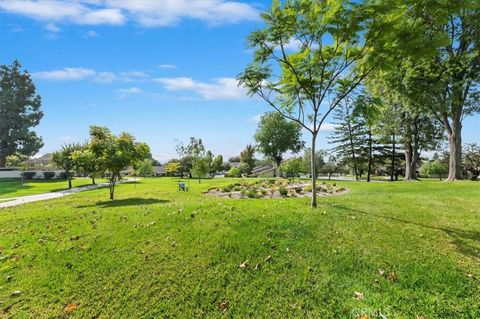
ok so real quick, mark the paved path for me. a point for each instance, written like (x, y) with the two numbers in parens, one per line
(15, 201)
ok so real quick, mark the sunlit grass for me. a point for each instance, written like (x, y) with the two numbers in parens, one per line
(410, 249)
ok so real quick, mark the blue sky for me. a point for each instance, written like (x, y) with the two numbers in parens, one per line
(161, 70)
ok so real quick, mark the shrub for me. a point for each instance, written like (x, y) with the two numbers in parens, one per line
(283, 191)
(237, 189)
(64, 175)
(29, 175)
(48, 175)
(264, 192)
(243, 193)
(308, 188)
(227, 189)
(251, 193)
(298, 190)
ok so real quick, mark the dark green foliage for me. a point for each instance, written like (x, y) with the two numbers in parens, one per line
(48, 175)
(19, 112)
(277, 135)
(29, 175)
(283, 191)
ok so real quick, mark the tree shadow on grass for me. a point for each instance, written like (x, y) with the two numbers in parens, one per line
(460, 236)
(126, 202)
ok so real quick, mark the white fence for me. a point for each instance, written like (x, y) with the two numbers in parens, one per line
(18, 174)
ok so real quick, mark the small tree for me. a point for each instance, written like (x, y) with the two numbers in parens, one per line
(144, 167)
(64, 159)
(234, 172)
(173, 167)
(292, 167)
(200, 168)
(277, 135)
(471, 160)
(217, 164)
(87, 163)
(116, 153)
(434, 168)
(331, 166)
(247, 156)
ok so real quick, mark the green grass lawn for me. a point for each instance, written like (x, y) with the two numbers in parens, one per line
(411, 249)
(13, 188)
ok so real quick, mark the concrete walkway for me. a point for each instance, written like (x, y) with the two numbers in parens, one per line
(15, 201)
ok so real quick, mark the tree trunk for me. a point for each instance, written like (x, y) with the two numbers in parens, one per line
(410, 162)
(392, 167)
(278, 162)
(455, 142)
(370, 154)
(112, 187)
(69, 182)
(93, 180)
(3, 161)
(314, 172)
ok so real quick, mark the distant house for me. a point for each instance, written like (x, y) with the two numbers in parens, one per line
(264, 171)
(42, 162)
(159, 170)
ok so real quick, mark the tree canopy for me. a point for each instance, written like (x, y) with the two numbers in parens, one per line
(19, 112)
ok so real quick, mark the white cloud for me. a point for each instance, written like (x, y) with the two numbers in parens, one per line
(91, 34)
(148, 13)
(66, 74)
(328, 127)
(72, 74)
(52, 27)
(221, 89)
(167, 66)
(131, 90)
(78, 12)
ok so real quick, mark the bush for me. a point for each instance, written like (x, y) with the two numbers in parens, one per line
(237, 189)
(251, 193)
(298, 190)
(283, 191)
(308, 188)
(234, 172)
(65, 175)
(29, 175)
(227, 189)
(48, 175)
(264, 192)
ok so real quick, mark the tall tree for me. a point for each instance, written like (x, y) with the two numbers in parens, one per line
(336, 45)
(348, 136)
(277, 135)
(452, 77)
(19, 112)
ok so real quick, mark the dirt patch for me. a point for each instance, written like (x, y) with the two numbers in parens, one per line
(275, 188)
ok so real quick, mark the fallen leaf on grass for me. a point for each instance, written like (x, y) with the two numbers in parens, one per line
(392, 276)
(16, 293)
(358, 295)
(269, 258)
(224, 306)
(244, 265)
(381, 272)
(71, 307)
